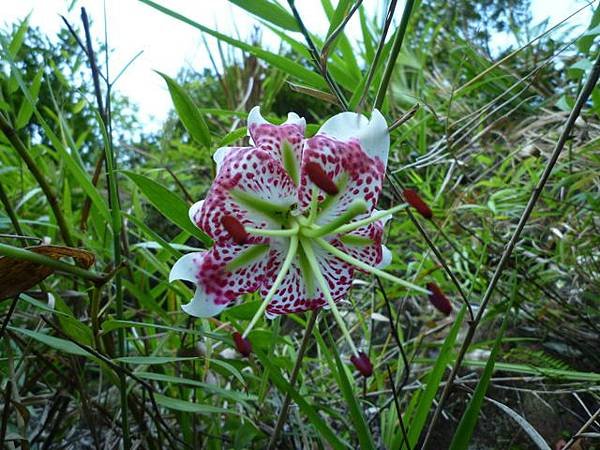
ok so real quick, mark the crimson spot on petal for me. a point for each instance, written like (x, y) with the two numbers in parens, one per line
(414, 200)
(318, 176)
(362, 364)
(438, 299)
(235, 229)
(242, 344)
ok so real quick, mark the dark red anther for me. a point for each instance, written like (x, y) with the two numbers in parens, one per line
(362, 364)
(235, 229)
(318, 176)
(242, 344)
(438, 299)
(415, 200)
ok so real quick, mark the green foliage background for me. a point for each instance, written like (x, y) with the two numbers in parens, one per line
(109, 359)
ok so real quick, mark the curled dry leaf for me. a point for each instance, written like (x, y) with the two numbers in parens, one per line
(17, 275)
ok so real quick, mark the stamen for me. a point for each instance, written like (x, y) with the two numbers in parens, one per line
(235, 229)
(242, 344)
(367, 268)
(379, 215)
(363, 364)
(314, 265)
(285, 267)
(415, 200)
(438, 299)
(356, 208)
(317, 175)
(274, 233)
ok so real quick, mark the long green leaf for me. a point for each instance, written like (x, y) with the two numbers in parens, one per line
(168, 204)
(281, 62)
(185, 406)
(269, 11)
(188, 112)
(59, 344)
(466, 426)
(425, 399)
(311, 413)
(365, 438)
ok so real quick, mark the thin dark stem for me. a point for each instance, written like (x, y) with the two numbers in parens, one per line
(295, 371)
(440, 258)
(406, 374)
(378, 52)
(398, 411)
(20, 148)
(335, 33)
(535, 194)
(9, 314)
(317, 59)
(10, 211)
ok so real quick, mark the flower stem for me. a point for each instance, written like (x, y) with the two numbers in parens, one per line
(286, 402)
(373, 218)
(314, 265)
(367, 268)
(282, 273)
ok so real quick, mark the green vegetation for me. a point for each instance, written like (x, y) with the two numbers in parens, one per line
(95, 350)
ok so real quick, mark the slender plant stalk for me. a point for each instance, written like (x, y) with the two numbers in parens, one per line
(375, 63)
(10, 211)
(396, 46)
(317, 58)
(20, 253)
(535, 194)
(20, 148)
(295, 371)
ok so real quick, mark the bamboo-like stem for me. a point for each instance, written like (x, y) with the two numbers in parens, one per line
(295, 371)
(396, 46)
(10, 211)
(20, 148)
(535, 194)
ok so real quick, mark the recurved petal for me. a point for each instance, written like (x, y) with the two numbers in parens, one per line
(284, 141)
(221, 275)
(372, 134)
(356, 175)
(364, 244)
(251, 187)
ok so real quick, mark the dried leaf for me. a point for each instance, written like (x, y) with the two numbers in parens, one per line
(17, 275)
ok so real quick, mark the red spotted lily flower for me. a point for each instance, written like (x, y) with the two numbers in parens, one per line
(293, 218)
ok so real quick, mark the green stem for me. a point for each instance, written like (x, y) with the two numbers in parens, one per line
(373, 218)
(356, 207)
(10, 211)
(20, 148)
(396, 46)
(367, 268)
(295, 371)
(314, 265)
(282, 273)
(19, 253)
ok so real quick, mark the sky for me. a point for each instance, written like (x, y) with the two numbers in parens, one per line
(169, 45)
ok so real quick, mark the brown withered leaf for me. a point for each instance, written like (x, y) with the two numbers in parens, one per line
(17, 275)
